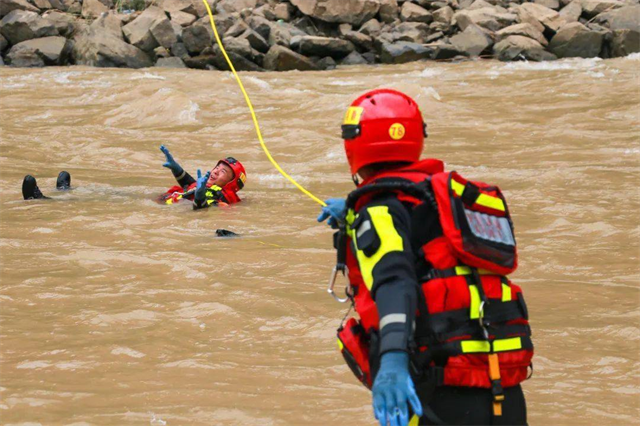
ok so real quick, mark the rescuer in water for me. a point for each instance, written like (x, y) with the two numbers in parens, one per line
(219, 186)
(442, 334)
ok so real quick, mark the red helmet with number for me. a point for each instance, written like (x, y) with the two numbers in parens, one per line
(383, 125)
(239, 174)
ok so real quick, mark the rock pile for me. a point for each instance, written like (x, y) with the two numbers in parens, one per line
(311, 34)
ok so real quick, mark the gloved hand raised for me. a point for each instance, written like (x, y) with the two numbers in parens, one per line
(201, 186)
(170, 163)
(392, 389)
(334, 210)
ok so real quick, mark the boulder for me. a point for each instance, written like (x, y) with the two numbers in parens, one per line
(239, 46)
(388, 11)
(164, 33)
(472, 41)
(39, 52)
(545, 19)
(109, 22)
(444, 15)
(402, 52)
(625, 18)
(354, 58)
(551, 4)
(339, 11)
(170, 63)
(283, 11)
(414, 13)
(372, 27)
(183, 19)
(518, 47)
(236, 29)
(482, 4)
(161, 52)
(65, 24)
(326, 63)
(262, 26)
(279, 35)
(21, 25)
(202, 62)
(230, 6)
(7, 6)
(576, 40)
(196, 38)
(99, 48)
(240, 63)
(414, 32)
(325, 46)
(201, 10)
(138, 31)
(178, 50)
(256, 41)
(280, 58)
(173, 6)
(3, 43)
(489, 18)
(362, 41)
(91, 9)
(525, 30)
(625, 42)
(591, 8)
(1, 61)
(571, 12)
(43, 4)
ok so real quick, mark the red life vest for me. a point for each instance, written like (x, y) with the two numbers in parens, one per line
(177, 193)
(466, 285)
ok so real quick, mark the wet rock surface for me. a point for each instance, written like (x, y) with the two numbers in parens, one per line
(306, 35)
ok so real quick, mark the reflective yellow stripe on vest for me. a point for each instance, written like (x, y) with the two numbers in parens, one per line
(506, 293)
(483, 346)
(483, 200)
(390, 241)
(474, 306)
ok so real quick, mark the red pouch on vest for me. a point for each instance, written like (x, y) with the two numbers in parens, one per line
(355, 350)
(476, 221)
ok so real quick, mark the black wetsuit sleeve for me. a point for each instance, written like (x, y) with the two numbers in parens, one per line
(212, 197)
(184, 179)
(381, 235)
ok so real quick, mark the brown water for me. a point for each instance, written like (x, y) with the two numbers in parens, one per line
(115, 310)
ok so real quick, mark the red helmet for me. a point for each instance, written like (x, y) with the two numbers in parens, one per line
(239, 174)
(383, 125)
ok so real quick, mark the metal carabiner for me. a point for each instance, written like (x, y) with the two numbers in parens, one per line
(332, 282)
(481, 320)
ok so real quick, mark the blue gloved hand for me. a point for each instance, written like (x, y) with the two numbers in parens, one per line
(170, 163)
(201, 186)
(334, 210)
(392, 389)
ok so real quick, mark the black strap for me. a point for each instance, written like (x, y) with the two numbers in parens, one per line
(421, 191)
(470, 194)
(455, 348)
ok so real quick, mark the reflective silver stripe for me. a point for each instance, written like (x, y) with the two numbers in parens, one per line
(392, 319)
(364, 227)
(182, 175)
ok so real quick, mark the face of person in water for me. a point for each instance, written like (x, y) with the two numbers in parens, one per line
(220, 175)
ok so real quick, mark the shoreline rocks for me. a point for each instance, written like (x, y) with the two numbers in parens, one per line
(284, 35)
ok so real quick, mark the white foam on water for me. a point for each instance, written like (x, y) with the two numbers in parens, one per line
(260, 83)
(633, 57)
(63, 77)
(595, 74)
(147, 76)
(430, 72)
(189, 115)
(343, 83)
(432, 92)
(563, 64)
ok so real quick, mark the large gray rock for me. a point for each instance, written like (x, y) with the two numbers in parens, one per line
(109, 22)
(414, 13)
(279, 35)
(170, 63)
(256, 41)
(372, 27)
(525, 30)
(625, 18)
(240, 46)
(541, 17)
(7, 6)
(3, 43)
(99, 48)
(571, 12)
(592, 8)
(551, 4)
(388, 11)
(339, 11)
(402, 52)
(200, 8)
(164, 33)
(486, 17)
(280, 58)
(325, 46)
(576, 40)
(625, 42)
(138, 32)
(196, 38)
(472, 41)
(362, 41)
(230, 6)
(64, 23)
(240, 63)
(93, 8)
(183, 19)
(173, 6)
(518, 47)
(354, 58)
(39, 52)
(413, 32)
(21, 25)
(444, 15)
(263, 27)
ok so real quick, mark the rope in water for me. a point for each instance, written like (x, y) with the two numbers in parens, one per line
(253, 114)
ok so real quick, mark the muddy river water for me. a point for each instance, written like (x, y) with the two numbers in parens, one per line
(115, 310)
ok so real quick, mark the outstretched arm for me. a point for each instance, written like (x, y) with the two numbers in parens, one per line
(183, 178)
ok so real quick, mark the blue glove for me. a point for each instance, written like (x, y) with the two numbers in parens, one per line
(392, 389)
(334, 210)
(201, 186)
(170, 163)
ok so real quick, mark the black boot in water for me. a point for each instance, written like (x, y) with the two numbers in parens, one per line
(30, 190)
(64, 181)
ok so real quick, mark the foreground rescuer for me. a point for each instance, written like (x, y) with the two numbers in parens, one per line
(443, 333)
(219, 186)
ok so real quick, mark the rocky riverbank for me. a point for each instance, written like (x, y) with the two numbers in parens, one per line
(310, 34)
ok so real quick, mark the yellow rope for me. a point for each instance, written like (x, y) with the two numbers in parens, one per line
(253, 114)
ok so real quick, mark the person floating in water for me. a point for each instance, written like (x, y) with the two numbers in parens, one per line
(219, 186)
(30, 190)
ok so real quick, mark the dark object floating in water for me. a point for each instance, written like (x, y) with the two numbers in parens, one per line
(64, 181)
(225, 233)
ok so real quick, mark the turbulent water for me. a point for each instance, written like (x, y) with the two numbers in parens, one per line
(115, 310)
